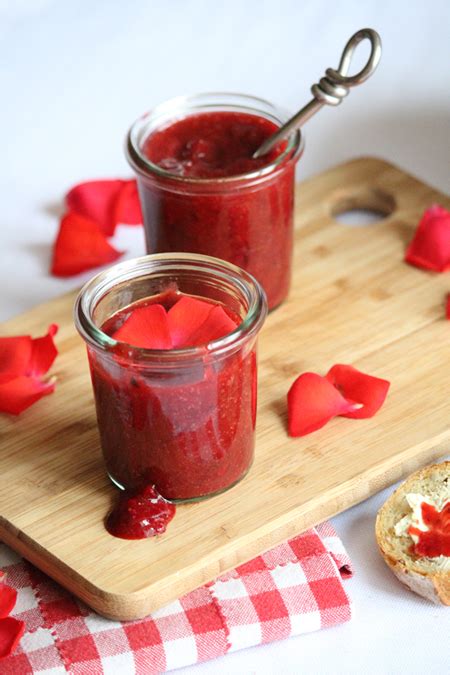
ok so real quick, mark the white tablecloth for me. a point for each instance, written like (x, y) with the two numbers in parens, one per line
(74, 75)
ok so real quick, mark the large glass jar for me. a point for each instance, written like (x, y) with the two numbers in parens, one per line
(181, 419)
(246, 219)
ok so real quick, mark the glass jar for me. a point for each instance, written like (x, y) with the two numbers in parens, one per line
(246, 219)
(180, 419)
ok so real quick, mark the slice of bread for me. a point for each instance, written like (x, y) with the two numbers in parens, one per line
(429, 577)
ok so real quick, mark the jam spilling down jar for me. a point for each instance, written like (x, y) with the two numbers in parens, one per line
(177, 408)
(202, 192)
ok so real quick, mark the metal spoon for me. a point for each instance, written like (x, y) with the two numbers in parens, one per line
(332, 88)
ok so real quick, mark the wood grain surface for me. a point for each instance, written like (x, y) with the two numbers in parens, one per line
(353, 301)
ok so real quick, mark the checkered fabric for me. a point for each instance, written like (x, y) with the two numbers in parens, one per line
(294, 588)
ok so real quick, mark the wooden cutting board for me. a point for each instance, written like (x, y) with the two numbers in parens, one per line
(353, 301)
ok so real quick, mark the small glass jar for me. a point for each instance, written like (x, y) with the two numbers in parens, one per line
(180, 419)
(245, 219)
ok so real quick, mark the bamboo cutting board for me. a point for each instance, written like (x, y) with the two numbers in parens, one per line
(353, 301)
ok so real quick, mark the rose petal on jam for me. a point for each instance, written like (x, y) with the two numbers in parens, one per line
(312, 402)
(80, 246)
(8, 597)
(20, 393)
(11, 631)
(146, 327)
(430, 246)
(15, 355)
(107, 202)
(185, 318)
(356, 386)
(217, 325)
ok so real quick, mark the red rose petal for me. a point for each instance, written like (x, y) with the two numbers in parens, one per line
(217, 325)
(20, 393)
(96, 200)
(8, 597)
(15, 355)
(107, 202)
(189, 322)
(11, 631)
(430, 246)
(128, 208)
(43, 353)
(23, 360)
(185, 318)
(312, 402)
(365, 389)
(80, 245)
(146, 327)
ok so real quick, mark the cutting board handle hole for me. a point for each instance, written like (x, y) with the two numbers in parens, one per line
(362, 208)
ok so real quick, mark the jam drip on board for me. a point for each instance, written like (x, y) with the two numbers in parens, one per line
(140, 515)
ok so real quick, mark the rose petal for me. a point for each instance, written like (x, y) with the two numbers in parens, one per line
(127, 209)
(15, 355)
(8, 597)
(96, 200)
(11, 631)
(312, 402)
(23, 355)
(430, 246)
(217, 325)
(186, 317)
(356, 386)
(20, 393)
(43, 353)
(80, 246)
(107, 202)
(146, 327)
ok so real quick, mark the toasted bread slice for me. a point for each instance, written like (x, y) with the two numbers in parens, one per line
(427, 576)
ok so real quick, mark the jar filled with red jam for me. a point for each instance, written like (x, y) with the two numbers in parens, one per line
(171, 342)
(201, 190)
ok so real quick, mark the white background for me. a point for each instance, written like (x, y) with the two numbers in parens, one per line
(74, 75)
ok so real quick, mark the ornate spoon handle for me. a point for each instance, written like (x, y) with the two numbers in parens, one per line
(332, 88)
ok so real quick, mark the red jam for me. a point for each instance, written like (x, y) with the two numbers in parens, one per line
(248, 222)
(436, 541)
(212, 145)
(190, 430)
(140, 515)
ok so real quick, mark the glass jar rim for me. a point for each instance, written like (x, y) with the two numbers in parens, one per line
(97, 287)
(209, 101)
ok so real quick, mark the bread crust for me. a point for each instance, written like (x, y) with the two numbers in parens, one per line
(432, 584)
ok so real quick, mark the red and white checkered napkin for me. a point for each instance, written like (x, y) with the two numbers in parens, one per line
(294, 588)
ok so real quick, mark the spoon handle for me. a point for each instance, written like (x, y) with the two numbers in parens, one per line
(332, 88)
